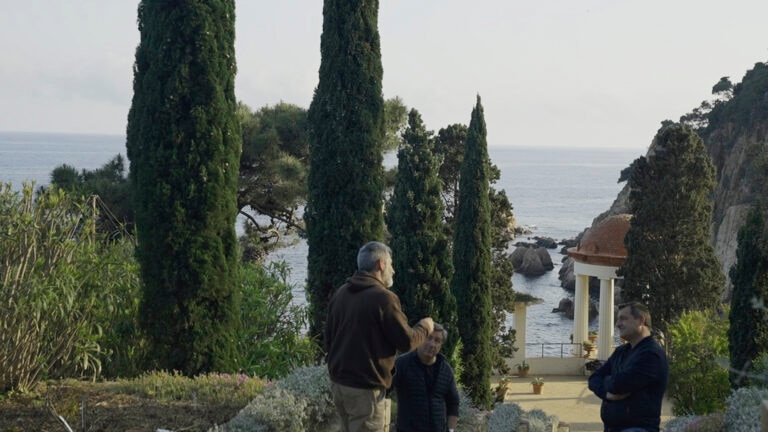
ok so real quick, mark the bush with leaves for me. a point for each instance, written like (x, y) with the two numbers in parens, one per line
(697, 383)
(57, 279)
(271, 341)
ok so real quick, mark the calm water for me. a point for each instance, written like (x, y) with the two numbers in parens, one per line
(558, 191)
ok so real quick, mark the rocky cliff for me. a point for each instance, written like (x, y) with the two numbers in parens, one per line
(735, 132)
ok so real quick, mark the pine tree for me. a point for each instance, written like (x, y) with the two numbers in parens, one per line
(346, 176)
(420, 248)
(747, 332)
(184, 144)
(671, 265)
(471, 283)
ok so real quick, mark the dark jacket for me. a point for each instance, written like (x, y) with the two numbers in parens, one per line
(642, 372)
(423, 404)
(366, 327)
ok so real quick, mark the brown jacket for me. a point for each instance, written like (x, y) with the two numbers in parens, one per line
(365, 328)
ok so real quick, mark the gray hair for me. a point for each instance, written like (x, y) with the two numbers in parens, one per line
(370, 254)
(440, 328)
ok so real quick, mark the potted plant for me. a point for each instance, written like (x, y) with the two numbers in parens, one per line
(588, 347)
(522, 368)
(538, 384)
(592, 336)
(501, 388)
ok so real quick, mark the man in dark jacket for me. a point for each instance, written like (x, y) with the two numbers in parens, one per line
(427, 396)
(366, 327)
(633, 380)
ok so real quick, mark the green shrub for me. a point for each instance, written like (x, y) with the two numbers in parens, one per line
(271, 341)
(213, 388)
(697, 383)
(56, 279)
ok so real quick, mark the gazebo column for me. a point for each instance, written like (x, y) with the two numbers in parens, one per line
(580, 312)
(605, 333)
(520, 318)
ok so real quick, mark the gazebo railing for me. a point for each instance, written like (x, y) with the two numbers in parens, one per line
(552, 349)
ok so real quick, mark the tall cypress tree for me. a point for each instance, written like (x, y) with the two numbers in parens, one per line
(670, 264)
(184, 144)
(747, 332)
(346, 176)
(471, 283)
(421, 250)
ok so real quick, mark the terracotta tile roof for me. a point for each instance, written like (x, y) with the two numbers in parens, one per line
(603, 244)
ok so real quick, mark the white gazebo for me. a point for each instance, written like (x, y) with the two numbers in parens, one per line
(599, 254)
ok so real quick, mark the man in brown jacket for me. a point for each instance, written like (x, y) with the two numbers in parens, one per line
(365, 328)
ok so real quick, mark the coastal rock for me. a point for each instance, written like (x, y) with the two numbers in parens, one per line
(566, 307)
(531, 260)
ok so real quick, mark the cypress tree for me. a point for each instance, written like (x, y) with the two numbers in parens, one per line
(184, 144)
(346, 176)
(747, 332)
(420, 247)
(670, 264)
(471, 283)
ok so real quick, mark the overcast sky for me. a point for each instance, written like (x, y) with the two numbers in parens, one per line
(564, 73)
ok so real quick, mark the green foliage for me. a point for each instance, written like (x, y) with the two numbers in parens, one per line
(184, 143)
(395, 122)
(270, 341)
(110, 184)
(671, 266)
(420, 247)
(697, 384)
(58, 283)
(212, 388)
(748, 332)
(273, 175)
(745, 109)
(123, 348)
(449, 145)
(471, 283)
(346, 176)
(449, 148)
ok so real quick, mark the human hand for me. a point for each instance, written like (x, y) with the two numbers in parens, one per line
(428, 324)
(615, 397)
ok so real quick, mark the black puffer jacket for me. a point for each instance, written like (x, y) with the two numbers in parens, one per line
(423, 405)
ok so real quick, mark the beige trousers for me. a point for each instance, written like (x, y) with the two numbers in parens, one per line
(361, 410)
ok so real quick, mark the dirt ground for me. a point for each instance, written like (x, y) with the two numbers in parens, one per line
(105, 411)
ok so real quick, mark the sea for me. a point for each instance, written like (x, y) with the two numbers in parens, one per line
(556, 192)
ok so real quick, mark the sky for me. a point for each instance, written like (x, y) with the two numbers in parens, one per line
(550, 73)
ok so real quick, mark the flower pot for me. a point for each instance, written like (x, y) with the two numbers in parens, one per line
(537, 388)
(522, 373)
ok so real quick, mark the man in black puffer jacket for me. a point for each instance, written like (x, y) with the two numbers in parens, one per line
(427, 396)
(632, 381)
